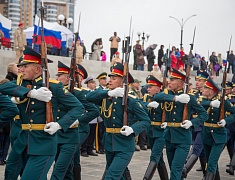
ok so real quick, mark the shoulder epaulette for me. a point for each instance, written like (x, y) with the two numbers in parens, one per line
(191, 93)
(132, 96)
(131, 91)
(54, 81)
(200, 98)
(78, 89)
(83, 88)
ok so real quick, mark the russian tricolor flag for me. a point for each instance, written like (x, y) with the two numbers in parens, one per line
(5, 27)
(51, 36)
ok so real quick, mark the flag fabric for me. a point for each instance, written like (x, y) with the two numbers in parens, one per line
(5, 27)
(51, 34)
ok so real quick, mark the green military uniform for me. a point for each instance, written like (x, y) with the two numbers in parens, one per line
(32, 140)
(155, 134)
(214, 136)
(119, 148)
(177, 139)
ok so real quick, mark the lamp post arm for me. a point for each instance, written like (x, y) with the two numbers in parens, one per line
(188, 19)
(181, 25)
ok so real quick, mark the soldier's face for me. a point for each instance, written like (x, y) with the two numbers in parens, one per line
(91, 85)
(31, 71)
(64, 78)
(207, 92)
(115, 81)
(136, 86)
(153, 90)
(228, 91)
(175, 84)
(103, 81)
(199, 83)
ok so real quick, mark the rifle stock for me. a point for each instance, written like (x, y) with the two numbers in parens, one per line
(45, 73)
(222, 98)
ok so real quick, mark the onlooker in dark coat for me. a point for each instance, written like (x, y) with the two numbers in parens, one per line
(139, 57)
(160, 56)
(150, 58)
(203, 64)
(12, 71)
(213, 61)
(231, 61)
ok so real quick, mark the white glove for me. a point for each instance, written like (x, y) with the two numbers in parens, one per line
(186, 124)
(183, 98)
(117, 92)
(164, 125)
(126, 130)
(215, 103)
(153, 104)
(14, 100)
(222, 123)
(74, 123)
(52, 127)
(41, 94)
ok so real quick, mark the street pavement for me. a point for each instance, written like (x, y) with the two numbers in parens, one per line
(93, 167)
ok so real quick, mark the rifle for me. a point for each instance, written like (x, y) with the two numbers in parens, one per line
(186, 87)
(125, 76)
(45, 72)
(222, 98)
(73, 77)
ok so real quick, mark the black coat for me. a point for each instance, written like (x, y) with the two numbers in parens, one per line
(11, 76)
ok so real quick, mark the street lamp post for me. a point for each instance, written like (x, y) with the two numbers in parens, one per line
(182, 23)
(144, 39)
(67, 22)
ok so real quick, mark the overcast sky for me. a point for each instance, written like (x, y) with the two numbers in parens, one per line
(214, 22)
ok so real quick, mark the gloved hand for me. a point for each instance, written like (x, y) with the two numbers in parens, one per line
(164, 125)
(221, 123)
(126, 130)
(74, 123)
(153, 104)
(14, 100)
(215, 103)
(117, 92)
(41, 94)
(186, 124)
(52, 127)
(183, 98)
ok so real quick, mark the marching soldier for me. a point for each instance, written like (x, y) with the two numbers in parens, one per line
(214, 134)
(37, 139)
(68, 142)
(119, 140)
(102, 79)
(231, 132)
(177, 134)
(197, 147)
(155, 132)
(19, 41)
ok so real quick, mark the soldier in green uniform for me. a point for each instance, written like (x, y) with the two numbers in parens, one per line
(37, 139)
(68, 141)
(155, 132)
(102, 79)
(231, 133)
(84, 129)
(214, 134)
(197, 147)
(177, 134)
(119, 140)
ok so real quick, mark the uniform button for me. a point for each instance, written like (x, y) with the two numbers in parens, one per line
(212, 119)
(114, 110)
(212, 113)
(212, 131)
(115, 102)
(58, 110)
(57, 117)
(211, 107)
(34, 87)
(113, 117)
(174, 113)
(154, 113)
(116, 97)
(174, 106)
(153, 118)
(113, 124)
(32, 102)
(32, 111)
(31, 120)
(173, 119)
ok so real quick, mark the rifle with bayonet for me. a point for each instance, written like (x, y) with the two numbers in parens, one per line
(186, 83)
(222, 98)
(125, 76)
(73, 77)
(45, 72)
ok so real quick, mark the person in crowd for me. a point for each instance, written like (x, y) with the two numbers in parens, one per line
(84, 48)
(97, 46)
(139, 50)
(160, 56)
(79, 52)
(150, 58)
(231, 61)
(19, 41)
(173, 58)
(116, 59)
(203, 64)
(103, 56)
(196, 62)
(213, 62)
(114, 44)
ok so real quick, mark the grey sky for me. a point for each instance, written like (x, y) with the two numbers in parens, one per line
(214, 21)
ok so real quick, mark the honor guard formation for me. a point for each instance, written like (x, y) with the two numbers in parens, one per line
(55, 122)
